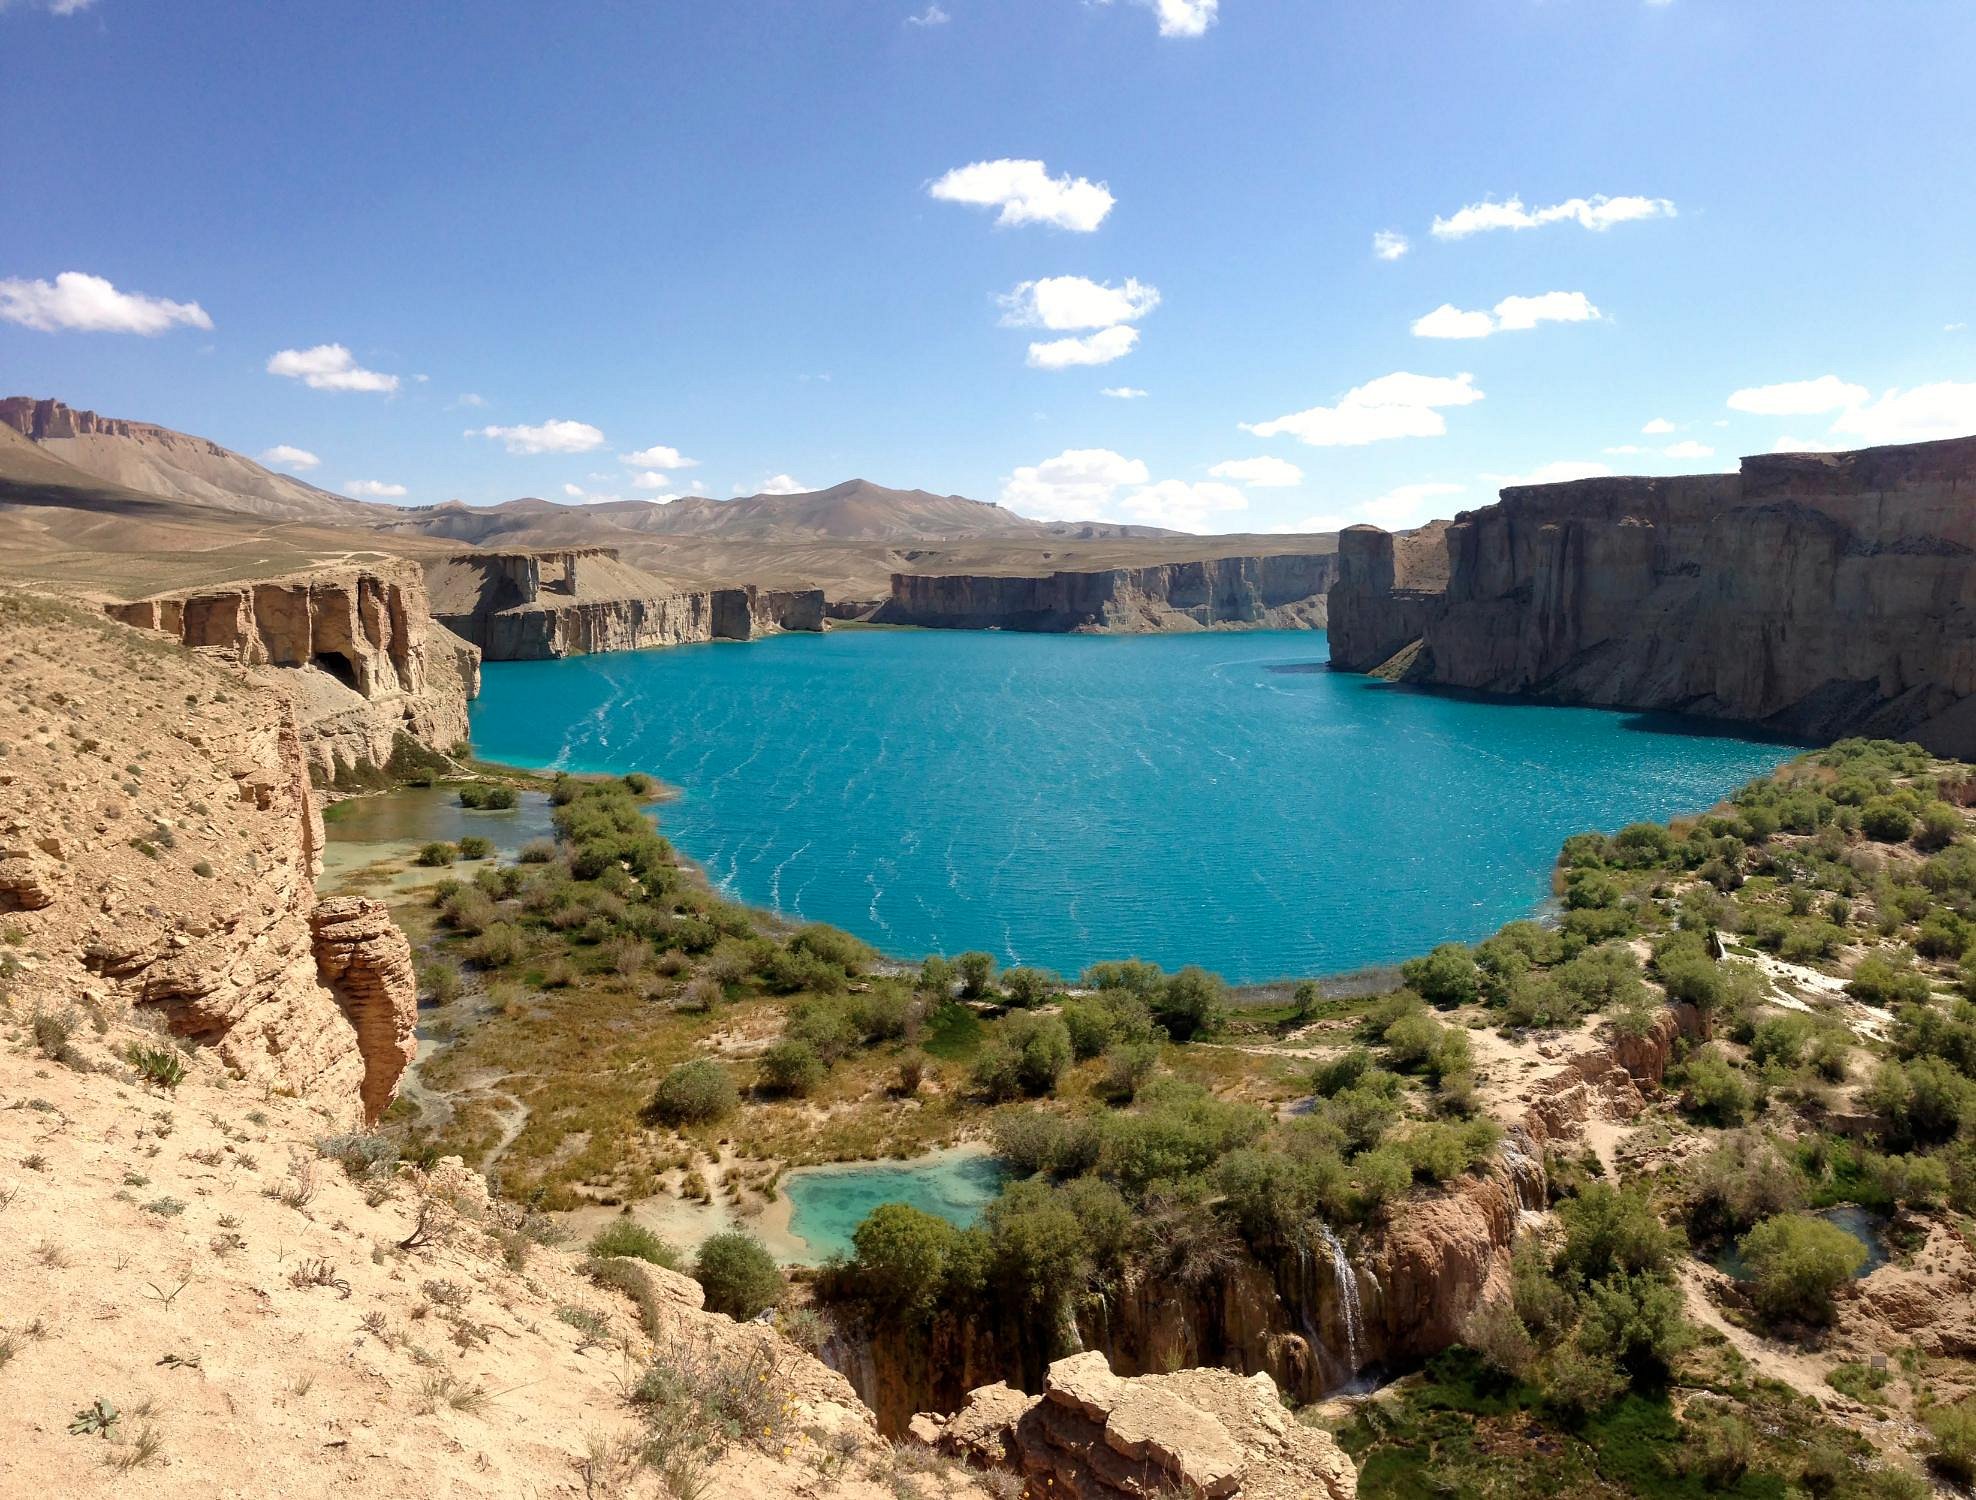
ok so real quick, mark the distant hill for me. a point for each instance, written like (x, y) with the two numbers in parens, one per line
(157, 461)
(855, 511)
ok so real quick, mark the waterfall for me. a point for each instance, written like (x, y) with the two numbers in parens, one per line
(1346, 1280)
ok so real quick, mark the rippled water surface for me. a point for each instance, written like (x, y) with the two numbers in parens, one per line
(1058, 799)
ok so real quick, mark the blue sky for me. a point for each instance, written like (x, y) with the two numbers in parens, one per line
(712, 229)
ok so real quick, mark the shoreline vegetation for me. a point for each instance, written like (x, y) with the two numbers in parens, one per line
(613, 1033)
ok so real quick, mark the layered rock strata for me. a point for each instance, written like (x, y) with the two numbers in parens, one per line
(1814, 594)
(1288, 591)
(159, 841)
(354, 647)
(525, 606)
(1209, 1434)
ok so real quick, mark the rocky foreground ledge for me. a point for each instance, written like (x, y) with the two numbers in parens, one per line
(1091, 1434)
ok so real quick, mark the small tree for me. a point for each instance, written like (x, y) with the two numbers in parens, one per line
(977, 973)
(738, 1275)
(1193, 1003)
(792, 1067)
(1796, 1263)
(900, 1257)
(1447, 976)
(1029, 987)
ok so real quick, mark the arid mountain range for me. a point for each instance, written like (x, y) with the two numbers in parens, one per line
(79, 491)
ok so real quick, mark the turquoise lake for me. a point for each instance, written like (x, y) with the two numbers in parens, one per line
(1219, 798)
(828, 1203)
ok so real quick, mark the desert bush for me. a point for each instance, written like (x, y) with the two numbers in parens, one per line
(1952, 1439)
(738, 1275)
(474, 846)
(496, 946)
(1026, 1054)
(160, 1067)
(695, 1093)
(977, 974)
(792, 1067)
(489, 795)
(1446, 976)
(625, 1238)
(436, 853)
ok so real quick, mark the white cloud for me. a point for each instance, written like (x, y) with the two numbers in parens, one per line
(1184, 17)
(375, 489)
(89, 304)
(1597, 212)
(1099, 348)
(469, 398)
(1260, 473)
(1558, 471)
(1805, 445)
(1449, 322)
(1953, 327)
(553, 436)
(1390, 244)
(56, 7)
(289, 457)
(578, 495)
(1393, 406)
(1400, 508)
(1689, 449)
(1180, 506)
(1026, 193)
(782, 484)
(1077, 485)
(931, 16)
(329, 367)
(1946, 408)
(1064, 302)
(1657, 427)
(658, 456)
(651, 479)
(1798, 398)
(1511, 315)
(1123, 392)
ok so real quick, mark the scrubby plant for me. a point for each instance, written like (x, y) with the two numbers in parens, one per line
(159, 1067)
(1797, 1262)
(475, 846)
(437, 853)
(737, 1274)
(695, 1093)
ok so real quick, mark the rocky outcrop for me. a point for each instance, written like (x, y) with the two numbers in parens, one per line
(366, 963)
(1286, 591)
(526, 606)
(157, 806)
(1813, 594)
(1208, 1434)
(354, 647)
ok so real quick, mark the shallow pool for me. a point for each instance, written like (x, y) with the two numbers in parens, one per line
(828, 1203)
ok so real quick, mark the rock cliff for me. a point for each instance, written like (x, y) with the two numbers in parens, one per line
(1202, 1433)
(1280, 591)
(355, 647)
(158, 850)
(524, 606)
(1814, 594)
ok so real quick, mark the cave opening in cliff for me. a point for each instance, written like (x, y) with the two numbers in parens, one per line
(338, 666)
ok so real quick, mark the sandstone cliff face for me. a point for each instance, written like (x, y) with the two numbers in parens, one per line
(1313, 1320)
(525, 606)
(1091, 1434)
(159, 842)
(355, 647)
(1286, 591)
(1818, 595)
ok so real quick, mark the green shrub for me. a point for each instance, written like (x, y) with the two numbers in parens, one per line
(1715, 1089)
(161, 1067)
(1191, 1004)
(1885, 820)
(633, 1241)
(1885, 982)
(488, 795)
(1796, 1263)
(1026, 1054)
(473, 846)
(1610, 1232)
(900, 1256)
(792, 1067)
(695, 1093)
(436, 854)
(738, 1275)
(1446, 976)
(977, 974)
(1952, 1434)
(1029, 987)
(1127, 1067)
(497, 947)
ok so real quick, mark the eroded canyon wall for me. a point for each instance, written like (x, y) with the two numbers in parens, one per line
(159, 842)
(527, 606)
(1286, 591)
(1814, 594)
(355, 648)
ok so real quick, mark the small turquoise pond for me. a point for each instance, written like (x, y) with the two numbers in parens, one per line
(828, 1203)
(1862, 1224)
